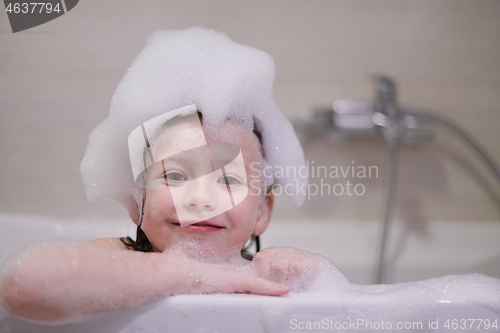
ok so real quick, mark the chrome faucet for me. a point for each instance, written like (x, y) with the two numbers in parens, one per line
(397, 125)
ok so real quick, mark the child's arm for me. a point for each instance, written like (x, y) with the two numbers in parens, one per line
(61, 281)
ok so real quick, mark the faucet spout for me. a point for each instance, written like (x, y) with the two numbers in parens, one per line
(385, 96)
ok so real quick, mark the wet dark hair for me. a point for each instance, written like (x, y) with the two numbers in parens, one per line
(142, 242)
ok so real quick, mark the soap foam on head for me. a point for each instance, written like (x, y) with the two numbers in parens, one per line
(225, 80)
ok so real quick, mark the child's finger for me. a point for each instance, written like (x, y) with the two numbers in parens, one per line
(262, 287)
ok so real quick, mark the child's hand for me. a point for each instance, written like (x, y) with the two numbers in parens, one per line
(233, 280)
(295, 268)
(203, 278)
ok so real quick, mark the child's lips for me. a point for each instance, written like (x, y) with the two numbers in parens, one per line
(202, 226)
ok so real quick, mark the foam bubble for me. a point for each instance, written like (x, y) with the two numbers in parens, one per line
(472, 288)
(175, 69)
(416, 301)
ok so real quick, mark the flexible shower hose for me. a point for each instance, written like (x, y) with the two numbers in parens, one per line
(391, 174)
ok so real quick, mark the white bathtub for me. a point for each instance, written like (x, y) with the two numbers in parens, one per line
(259, 314)
(250, 313)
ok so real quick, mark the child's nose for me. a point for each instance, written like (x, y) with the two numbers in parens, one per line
(199, 196)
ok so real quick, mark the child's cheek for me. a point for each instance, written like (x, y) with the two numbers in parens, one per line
(246, 210)
(159, 203)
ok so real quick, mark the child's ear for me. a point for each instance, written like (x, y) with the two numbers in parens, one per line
(133, 209)
(134, 215)
(264, 215)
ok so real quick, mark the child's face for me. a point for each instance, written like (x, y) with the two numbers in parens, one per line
(201, 212)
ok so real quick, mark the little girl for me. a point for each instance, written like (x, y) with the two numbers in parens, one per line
(191, 126)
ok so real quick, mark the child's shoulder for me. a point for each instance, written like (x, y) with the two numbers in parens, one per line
(111, 243)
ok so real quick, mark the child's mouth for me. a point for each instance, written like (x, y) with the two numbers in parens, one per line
(202, 226)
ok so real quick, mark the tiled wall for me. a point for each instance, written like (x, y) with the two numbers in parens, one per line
(56, 82)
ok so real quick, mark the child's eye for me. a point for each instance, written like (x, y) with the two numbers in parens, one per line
(175, 177)
(228, 180)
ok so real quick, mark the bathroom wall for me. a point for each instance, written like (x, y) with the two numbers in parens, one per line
(57, 79)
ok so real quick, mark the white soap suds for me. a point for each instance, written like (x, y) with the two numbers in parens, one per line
(178, 68)
(370, 308)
